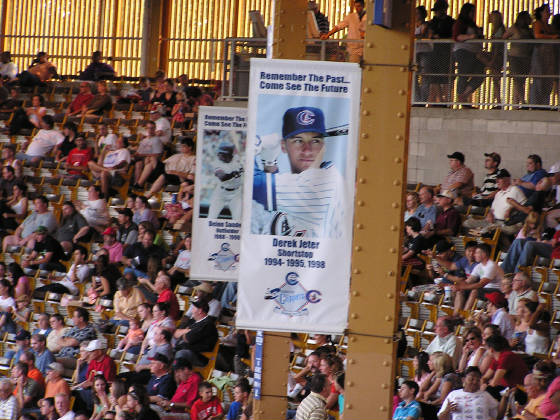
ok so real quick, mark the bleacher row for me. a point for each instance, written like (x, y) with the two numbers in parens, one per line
(419, 310)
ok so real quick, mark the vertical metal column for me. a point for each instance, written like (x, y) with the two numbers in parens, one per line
(382, 167)
(289, 43)
(152, 20)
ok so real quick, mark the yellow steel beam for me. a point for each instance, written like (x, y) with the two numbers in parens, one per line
(289, 29)
(378, 233)
(288, 43)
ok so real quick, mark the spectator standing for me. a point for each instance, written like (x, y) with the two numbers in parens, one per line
(520, 54)
(356, 24)
(544, 57)
(466, 54)
(441, 27)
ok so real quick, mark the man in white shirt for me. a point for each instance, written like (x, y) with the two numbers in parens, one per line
(62, 406)
(111, 164)
(521, 289)
(163, 126)
(469, 403)
(501, 207)
(43, 142)
(147, 162)
(445, 340)
(356, 24)
(484, 277)
(499, 316)
(8, 69)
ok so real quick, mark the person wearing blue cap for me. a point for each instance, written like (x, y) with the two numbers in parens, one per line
(302, 202)
(229, 170)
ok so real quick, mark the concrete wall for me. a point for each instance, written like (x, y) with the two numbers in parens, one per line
(436, 132)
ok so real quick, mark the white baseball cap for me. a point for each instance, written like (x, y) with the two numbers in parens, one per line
(96, 345)
(555, 168)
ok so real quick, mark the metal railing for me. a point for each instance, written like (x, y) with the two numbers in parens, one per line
(499, 74)
(238, 51)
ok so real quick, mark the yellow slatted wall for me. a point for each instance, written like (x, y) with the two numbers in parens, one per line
(29, 22)
(59, 27)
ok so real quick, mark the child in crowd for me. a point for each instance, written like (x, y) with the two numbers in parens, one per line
(207, 407)
(241, 393)
(133, 340)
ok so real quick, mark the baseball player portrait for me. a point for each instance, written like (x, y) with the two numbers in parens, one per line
(227, 174)
(305, 200)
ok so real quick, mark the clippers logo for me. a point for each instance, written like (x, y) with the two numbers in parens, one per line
(225, 259)
(291, 298)
(305, 117)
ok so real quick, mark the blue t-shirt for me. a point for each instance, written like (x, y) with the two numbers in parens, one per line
(234, 412)
(404, 411)
(533, 178)
(463, 264)
(426, 213)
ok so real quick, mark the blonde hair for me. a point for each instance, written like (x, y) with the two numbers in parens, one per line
(532, 217)
(442, 363)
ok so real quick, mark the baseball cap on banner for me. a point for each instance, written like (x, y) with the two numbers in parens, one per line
(304, 119)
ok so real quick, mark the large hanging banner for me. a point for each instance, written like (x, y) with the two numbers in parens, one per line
(298, 196)
(220, 157)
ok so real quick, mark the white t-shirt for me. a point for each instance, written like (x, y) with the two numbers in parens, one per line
(115, 157)
(163, 124)
(43, 142)
(500, 204)
(82, 274)
(108, 140)
(487, 271)
(183, 259)
(8, 70)
(96, 213)
(68, 416)
(501, 319)
(151, 146)
(7, 302)
(478, 405)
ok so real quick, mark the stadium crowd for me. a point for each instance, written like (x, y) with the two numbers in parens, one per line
(98, 317)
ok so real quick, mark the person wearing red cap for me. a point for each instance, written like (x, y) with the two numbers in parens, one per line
(499, 316)
(113, 247)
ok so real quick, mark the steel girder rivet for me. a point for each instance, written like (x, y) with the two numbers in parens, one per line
(359, 226)
(279, 54)
(367, 90)
(281, 25)
(386, 341)
(391, 273)
(280, 40)
(362, 180)
(395, 205)
(365, 135)
(303, 27)
(404, 47)
(350, 383)
(349, 406)
(281, 11)
(396, 182)
(393, 228)
(360, 203)
(363, 158)
(354, 316)
(355, 293)
(383, 386)
(365, 112)
(388, 318)
(356, 271)
(392, 250)
(382, 408)
(400, 114)
(301, 55)
(385, 362)
(369, 45)
(399, 137)
(353, 339)
(398, 160)
(389, 296)
(351, 361)
(402, 92)
(402, 69)
(357, 248)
